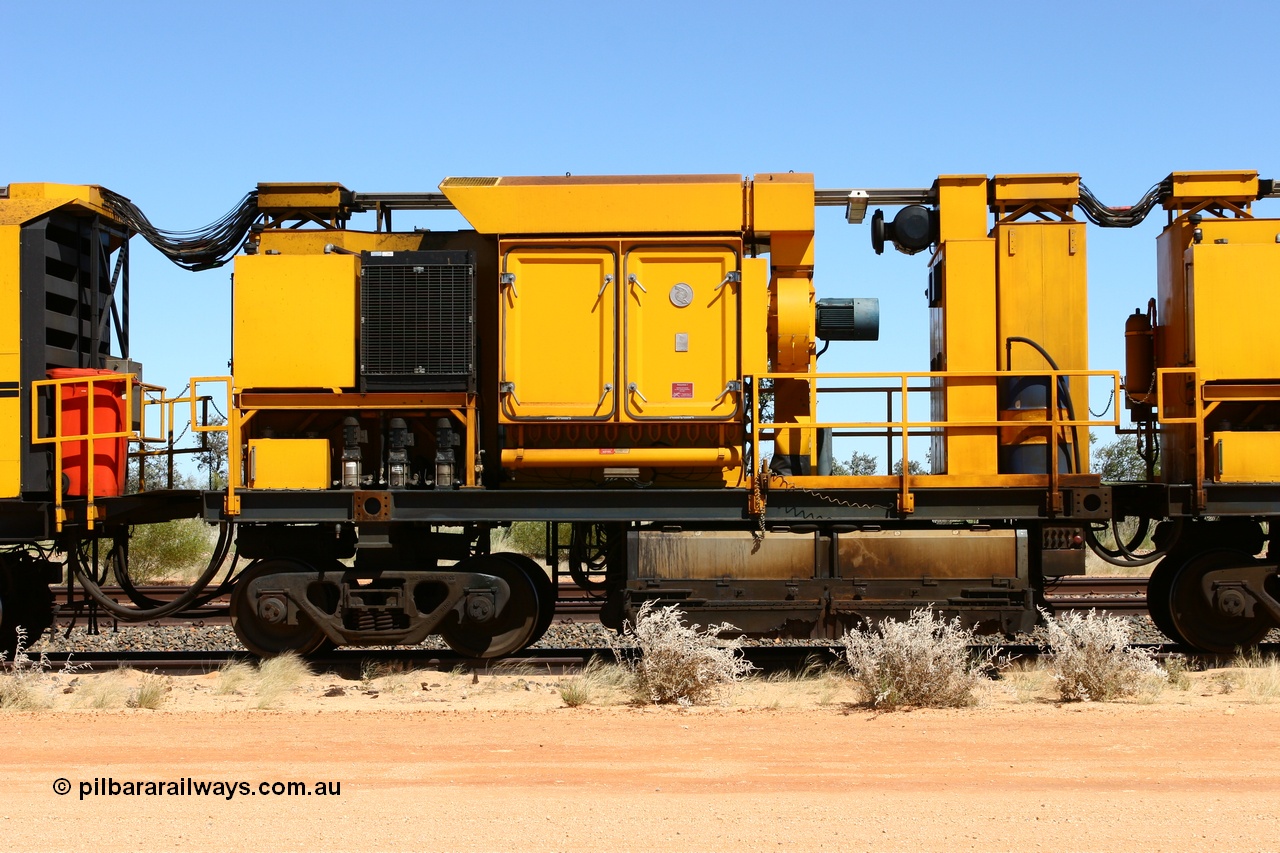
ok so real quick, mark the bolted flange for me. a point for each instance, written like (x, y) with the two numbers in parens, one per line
(479, 607)
(273, 609)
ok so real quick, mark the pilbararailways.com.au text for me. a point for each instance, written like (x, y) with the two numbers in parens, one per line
(187, 787)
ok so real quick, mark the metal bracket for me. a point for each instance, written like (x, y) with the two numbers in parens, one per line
(508, 279)
(509, 388)
(733, 386)
(731, 277)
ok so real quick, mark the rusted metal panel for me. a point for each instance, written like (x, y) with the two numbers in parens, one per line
(963, 553)
(713, 554)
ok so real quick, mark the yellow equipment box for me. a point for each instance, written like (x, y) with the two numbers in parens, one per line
(1246, 457)
(288, 463)
(295, 321)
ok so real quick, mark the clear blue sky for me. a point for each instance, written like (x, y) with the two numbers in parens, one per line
(184, 107)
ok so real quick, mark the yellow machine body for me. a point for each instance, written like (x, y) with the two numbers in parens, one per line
(622, 204)
(11, 431)
(25, 203)
(992, 290)
(1246, 457)
(1218, 398)
(644, 336)
(295, 321)
(289, 463)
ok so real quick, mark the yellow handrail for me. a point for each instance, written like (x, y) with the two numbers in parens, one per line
(904, 425)
(90, 436)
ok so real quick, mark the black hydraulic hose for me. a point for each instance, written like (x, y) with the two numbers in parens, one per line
(1064, 388)
(183, 601)
(119, 557)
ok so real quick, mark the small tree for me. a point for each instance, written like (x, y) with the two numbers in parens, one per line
(212, 459)
(1120, 461)
(914, 468)
(859, 465)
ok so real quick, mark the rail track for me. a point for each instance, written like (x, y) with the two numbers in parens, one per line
(1115, 594)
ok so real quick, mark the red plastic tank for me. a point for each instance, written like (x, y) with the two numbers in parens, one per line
(110, 455)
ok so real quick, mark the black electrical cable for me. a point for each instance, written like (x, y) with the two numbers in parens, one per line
(1120, 217)
(183, 601)
(202, 249)
(1064, 388)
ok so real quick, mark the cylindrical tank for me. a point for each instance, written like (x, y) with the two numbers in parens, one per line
(1024, 403)
(1139, 357)
(110, 455)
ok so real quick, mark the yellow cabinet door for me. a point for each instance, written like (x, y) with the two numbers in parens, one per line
(559, 334)
(295, 321)
(680, 338)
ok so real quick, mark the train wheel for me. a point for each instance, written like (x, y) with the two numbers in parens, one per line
(25, 601)
(1196, 616)
(546, 591)
(260, 635)
(512, 629)
(1159, 587)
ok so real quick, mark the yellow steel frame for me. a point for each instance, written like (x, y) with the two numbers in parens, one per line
(151, 396)
(1204, 400)
(904, 425)
(90, 436)
(246, 405)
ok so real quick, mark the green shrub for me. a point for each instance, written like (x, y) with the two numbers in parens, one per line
(175, 549)
(528, 538)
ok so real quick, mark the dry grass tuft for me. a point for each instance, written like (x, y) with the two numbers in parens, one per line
(575, 691)
(233, 676)
(922, 662)
(278, 677)
(105, 692)
(26, 687)
(1092, 658)
(1177, 673)
(680, 663)
(1258, 676)
(598, 683)
(151, 692)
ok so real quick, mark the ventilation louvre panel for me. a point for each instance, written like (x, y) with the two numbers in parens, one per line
(417, 329)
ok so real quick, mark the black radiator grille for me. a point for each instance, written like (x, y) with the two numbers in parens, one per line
(418, 320)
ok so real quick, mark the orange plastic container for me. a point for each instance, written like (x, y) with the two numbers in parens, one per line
(110, 455)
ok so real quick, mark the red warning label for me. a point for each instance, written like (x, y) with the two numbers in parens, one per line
(681, 390)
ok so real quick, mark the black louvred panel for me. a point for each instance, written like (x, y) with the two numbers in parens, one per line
(417, 314)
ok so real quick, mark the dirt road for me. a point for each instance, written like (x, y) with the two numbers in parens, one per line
(1202, 774)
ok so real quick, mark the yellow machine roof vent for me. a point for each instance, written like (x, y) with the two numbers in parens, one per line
(470, 182)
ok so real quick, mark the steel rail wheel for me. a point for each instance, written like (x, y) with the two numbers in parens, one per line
(25, 602)
(261, 636)
(1194, 614)
(542, 584)
(1159, 587)
(509, 631)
